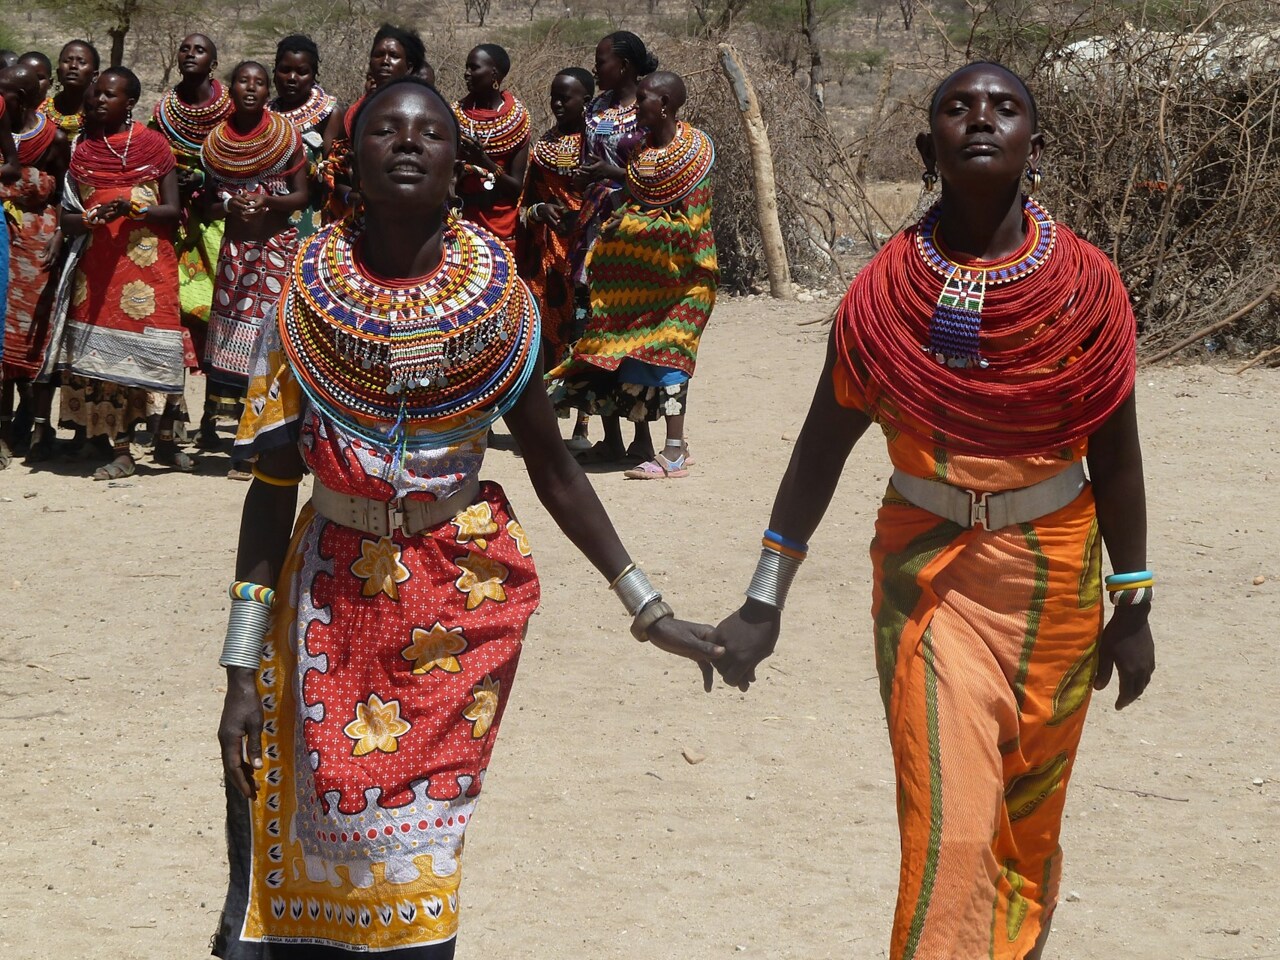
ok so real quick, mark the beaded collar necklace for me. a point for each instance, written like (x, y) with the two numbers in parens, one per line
(608, 119)
(499, 132)
(186, 126)
(393, 361)
(957, 317)
(244, 160)
(310, 114)
(657, 176)
(33, 143)
(69, 123)
(558, 152)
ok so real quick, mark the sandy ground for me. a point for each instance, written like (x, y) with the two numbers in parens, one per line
(596, 838)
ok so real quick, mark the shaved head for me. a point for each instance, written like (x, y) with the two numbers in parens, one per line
(666, 84)
(24, 81)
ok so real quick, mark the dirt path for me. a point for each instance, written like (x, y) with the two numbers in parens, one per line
(596, 838)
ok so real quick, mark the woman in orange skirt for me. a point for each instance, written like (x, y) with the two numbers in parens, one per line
(995, 349)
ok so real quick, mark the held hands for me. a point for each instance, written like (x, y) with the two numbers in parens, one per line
(1126, 645)
(247, 207)
(104, 213)
(748, 636)
(240, 731)
(687, 639)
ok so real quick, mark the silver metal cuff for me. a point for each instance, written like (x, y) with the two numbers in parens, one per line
(772, 580)
(247, 628)
(635, 591)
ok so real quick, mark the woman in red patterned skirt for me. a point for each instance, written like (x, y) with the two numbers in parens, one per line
(43, 152)
(370, 653)
(257, 174)
(122, 336)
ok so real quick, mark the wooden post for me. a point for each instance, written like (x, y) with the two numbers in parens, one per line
(775, 251)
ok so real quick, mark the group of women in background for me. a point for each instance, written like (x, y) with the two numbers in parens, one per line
(144, 251)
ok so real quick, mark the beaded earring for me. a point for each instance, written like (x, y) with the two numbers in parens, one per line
(1034, 179)
(128, 118)
(929, 178)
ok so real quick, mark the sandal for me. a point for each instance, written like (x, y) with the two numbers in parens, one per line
(167, 454)
(119, 468)
(659, 468)
(239, 471)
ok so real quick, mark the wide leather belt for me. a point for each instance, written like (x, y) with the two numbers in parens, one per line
(992, 511)
(382, 517)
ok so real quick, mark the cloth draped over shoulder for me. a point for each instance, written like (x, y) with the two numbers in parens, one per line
(545, 252)
(653, 273)
(389, 659)
(985, 641)
(122, 322)
(33, 214)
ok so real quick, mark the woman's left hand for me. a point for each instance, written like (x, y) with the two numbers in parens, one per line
(51, 249)
(687, 639)
(1127, 647)
(473, 153)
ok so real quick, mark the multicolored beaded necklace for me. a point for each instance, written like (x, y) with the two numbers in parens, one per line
(957, 317)
(271, 150)
(499, 132)
(32, 144)
(186, 126)
(658, 176)
(394, 360)
(607, 124)
(309, 115)
(68, 123)
(558, 152)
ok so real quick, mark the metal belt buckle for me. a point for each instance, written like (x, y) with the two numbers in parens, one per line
(978, 509)
(397, 518)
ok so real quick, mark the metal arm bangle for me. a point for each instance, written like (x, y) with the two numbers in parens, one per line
(646, 618)
(634, 590)
(772, 580)
(246, 631)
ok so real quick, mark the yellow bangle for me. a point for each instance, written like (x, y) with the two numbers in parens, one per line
(275, 481)
(625, 570)
(1117, 587)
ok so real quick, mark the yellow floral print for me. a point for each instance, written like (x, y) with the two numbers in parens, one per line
(380, 568)
(377, 726)
(144, 195)
(516, 532)
(475, 524)
(437, 648)
(143, 247)
(138, 299)
(481, 579)
(483, 707)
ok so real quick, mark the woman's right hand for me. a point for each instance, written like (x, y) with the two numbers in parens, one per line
(240, 730)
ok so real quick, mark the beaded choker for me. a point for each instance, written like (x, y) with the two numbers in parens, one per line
(499, 132)
(558, 152)
(308, 115)
(270, 149)
(957, 317)
(32, 144)
(186, 126)
(392, 360)
(657, 176)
